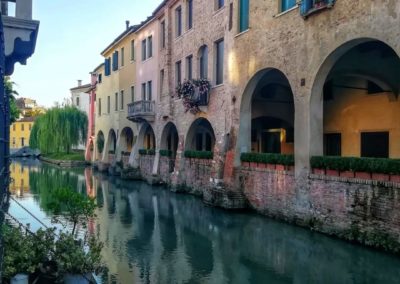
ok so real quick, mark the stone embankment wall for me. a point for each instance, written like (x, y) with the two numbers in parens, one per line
(166, 169)
(146, 163)
(194, 176)
(366, 212)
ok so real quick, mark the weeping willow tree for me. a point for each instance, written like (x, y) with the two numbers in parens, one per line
(59, 130)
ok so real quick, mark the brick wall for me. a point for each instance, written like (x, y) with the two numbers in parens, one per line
(195, 175)
(166, 169)
(146, 165)
(367, 212)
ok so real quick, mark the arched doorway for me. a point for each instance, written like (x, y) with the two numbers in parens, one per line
(126, 140)
(170, 139)
(200, 136)
(147, 137)
(168, 147)
(267, 115)
(100, 144)
(112, 145)
(355, 110)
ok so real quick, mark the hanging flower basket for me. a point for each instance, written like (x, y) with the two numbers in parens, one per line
(194, 93)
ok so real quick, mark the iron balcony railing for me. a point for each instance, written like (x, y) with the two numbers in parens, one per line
(141, 108)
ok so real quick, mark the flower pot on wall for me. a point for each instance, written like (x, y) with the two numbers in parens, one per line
(347, 174)
(262, 165)
(245, 164)
(320, 172)
(363, 175)
(395, 178)
(333, 173)
(253, 164)
(271, 166)
(280, 167)
(380, 177)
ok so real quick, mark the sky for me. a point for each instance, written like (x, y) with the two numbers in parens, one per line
(72, 34)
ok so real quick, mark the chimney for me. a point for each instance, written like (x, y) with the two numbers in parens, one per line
(127, 25)
(79, 83)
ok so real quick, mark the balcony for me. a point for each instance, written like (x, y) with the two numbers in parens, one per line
(20, 32)
(141, 111)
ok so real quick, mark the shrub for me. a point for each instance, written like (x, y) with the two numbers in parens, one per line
(375, 165)
(142, 151)
(199, 154)
(165, 153)
(147, 152)
(268, 158)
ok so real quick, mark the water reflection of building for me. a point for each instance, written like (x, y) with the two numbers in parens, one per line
(19, 179)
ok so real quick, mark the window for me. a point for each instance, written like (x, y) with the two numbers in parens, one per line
(122, 100)
(287, 4)
(144, 91)
(163, 34)
(22, 127)
(189, 67)
(178, 21)
(115, 61)
(143, 50)
(132, 94)
(122, 57)
(22, 142)
(13, 140)
(150, 46)
(220, 4)
(189, 14)
(219, 62)
(116, 102)
(333, 144)
(14, 127)
(108, 104)
(161, 81)
(99, 106)
(375, 144)
(100, 78)
(77, 101)
(132, 50)
(203, 62)
(149, 90)
(178, 74)
(243, 15)
(107, 66)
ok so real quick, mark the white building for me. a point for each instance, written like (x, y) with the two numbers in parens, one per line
(80, 99)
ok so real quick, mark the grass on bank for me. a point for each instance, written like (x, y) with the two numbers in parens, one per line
(73, 156)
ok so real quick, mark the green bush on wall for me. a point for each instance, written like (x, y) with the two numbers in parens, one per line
(150, 152)
(374, 165)
(199, 154)
(268, 158)
(165, 153)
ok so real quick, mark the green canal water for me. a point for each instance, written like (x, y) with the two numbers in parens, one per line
(154, 236)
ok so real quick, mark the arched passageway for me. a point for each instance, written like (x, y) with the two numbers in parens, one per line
(355, 110)
(200, 136)
(126, 140)
(100, 140)
(267, 115)
(170, 139)
(112, 142)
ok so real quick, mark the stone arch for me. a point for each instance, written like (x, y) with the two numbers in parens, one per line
(146, 138)
(266, 114)
(112, 141)
(169, 138)
(363, 63)
(126, 140)
(100, 142)
(200, 136)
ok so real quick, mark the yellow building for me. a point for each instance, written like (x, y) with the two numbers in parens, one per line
(20, 132)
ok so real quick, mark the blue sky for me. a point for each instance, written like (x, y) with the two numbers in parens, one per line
(71, 36)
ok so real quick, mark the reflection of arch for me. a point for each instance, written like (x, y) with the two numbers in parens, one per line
(358, 68)
(126, 139)
(146, 139)
(200, 136)
(169, 138)
(268, 102)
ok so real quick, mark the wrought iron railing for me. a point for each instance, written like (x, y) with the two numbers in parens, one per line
(141, 107)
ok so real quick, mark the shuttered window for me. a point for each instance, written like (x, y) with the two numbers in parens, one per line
(243, 15)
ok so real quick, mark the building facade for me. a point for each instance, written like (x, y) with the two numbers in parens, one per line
(298, 79)
(20, 132)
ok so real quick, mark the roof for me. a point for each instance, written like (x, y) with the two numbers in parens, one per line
(127, 32)
(81, 87)
(98, 67)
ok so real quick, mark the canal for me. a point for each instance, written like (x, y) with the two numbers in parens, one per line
(154, 236)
